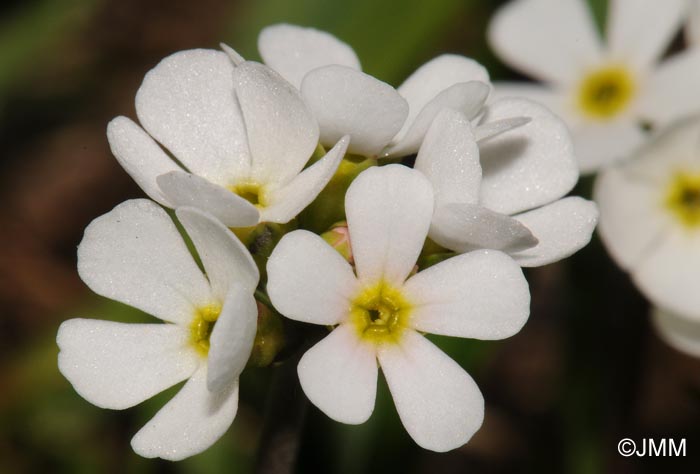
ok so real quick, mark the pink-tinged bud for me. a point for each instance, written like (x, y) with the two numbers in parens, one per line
(339, 238)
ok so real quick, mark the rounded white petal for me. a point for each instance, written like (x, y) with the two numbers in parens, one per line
(639, 31)
(282, 132)
(388, 212)
(439, 404)
(599, 145)
(232, 338)
(481, 294)
(226, 261)
(185, 189)
(554, 98)
(339, 376)
(189, 423)
(349, 102)
(232, 54)
(187, 103)
(529, 166)
(551, 40)
(140, 156)
(293, 51)
(495, 128)
(134, 254)
(291, 199)
(679, 332)
(562, 228)
(116, 365)
(308, 280)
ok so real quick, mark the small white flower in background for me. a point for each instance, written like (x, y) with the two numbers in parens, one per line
(135, 254)
(380, 310)
(513, 201)
(650, 218)
(241, 136)
(605, 92)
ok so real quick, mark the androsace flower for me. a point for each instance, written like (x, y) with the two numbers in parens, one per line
(380, 311)
(239, 137)
(650, 218)
(512, 199)
(135, 255)
(607, 92)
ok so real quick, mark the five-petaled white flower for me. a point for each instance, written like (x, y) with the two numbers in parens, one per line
(606, 93)
(650, 222)
(241, 136)
(381, 310)
(512, 201)
(135, 254)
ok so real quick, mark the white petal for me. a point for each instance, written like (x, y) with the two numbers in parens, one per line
(599, 145)
(449, 158)
(679, 332)
(185, 189)
(671, 91)
(692, 27)
(562, 228)
(466, 227)
(308, 280)
(232, 54)
(638, 31)
(339, 376)
(232, 338)
(439, 404)
(282, 133)
(290, 200)
(225, 259)
(388, 212)
(140, 156)
(551, 40)
(554, 98)
(492, 129)
(481, 294)
(189, 423)
(350, 102)
(187, 103)
(134, 254)
(115, 365)
(293, 51)
(529, 166)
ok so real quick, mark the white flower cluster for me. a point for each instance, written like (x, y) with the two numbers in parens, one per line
(232, 145)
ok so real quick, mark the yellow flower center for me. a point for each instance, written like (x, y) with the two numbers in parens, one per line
(380, 313)
(202, 325)
(606, 92)
(252, 192)
(683, 198)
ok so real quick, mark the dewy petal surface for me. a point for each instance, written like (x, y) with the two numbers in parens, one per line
(282, 132)
(187, 103)
(116, 365)
(388, 212)
(562, 228)
(189, 423)
(140, 156)
(481, 294)
(308, 280)
(551, 40)
(438, 402)
(134, 254)
(293, 51)
(339, 375)
(679, 332)
(529, 166)
(349, 102)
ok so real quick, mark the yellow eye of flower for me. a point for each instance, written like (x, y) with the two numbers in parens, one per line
(251, 192)
(202, 326)
(683, 198)
(606, 92)
(380, 313)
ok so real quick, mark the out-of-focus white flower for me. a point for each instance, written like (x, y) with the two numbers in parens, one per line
(692, 26)
(514, 203)
(605, 92)
(680, 332)
(650, 218)
(239, 137)
(135, 254)
(380, 311)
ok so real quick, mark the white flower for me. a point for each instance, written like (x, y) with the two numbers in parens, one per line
(380, 310)
(135, 254)
(692, 26)
(241, 137)
(680, 332)
(650, 218)
(605, 92)
(513, 201)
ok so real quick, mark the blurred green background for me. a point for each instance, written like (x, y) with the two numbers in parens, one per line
(586, 371)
